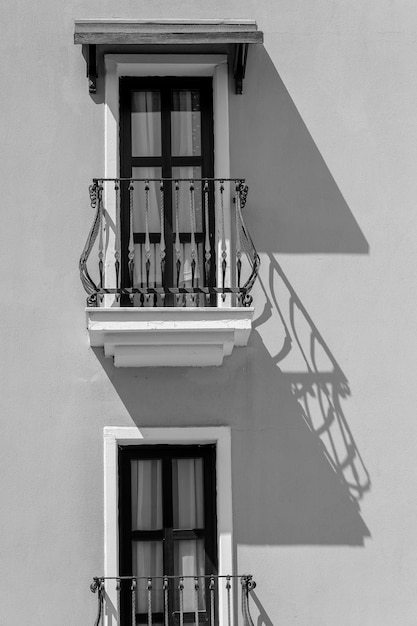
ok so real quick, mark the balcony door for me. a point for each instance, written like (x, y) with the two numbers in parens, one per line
(166, 132)
(167, 522)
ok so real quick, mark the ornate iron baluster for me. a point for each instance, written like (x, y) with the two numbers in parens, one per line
(118, 601)
(223, 244)
(166, 607)
(162, 244)
(149, 601)
(196, 588)
(229, 608)
(177, 235)
(181, 589)
(238, 240)
(207, 250)
(192, 247)
(147, 239)
(131, 253)
(117, 240)
(133, 594)
(211, 588)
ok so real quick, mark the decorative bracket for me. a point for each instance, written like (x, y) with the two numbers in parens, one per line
(92, 68)
(239, 65)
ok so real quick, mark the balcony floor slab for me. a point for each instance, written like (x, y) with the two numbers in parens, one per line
(168, 336)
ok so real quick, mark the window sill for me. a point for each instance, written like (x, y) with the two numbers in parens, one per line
(168, 336)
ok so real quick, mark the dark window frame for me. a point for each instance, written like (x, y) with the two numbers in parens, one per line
(166, 162)
(168, 534)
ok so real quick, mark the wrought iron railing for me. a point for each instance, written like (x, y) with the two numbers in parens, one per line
(169, 242)
(173, 599)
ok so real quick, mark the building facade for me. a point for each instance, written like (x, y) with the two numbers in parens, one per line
(226, 433)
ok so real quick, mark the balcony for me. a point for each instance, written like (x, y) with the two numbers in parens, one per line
(169, 600)
(168, 267)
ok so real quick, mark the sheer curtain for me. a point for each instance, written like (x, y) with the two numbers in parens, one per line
(146, 478)
(187, 484)
(146, 123)
(146, 142)
(188, 513)
(186, 141)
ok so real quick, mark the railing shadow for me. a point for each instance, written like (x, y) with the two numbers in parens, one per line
(298, 473)
(316, 380)
(262, 618)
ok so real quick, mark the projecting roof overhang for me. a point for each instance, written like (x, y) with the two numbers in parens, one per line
(172, 34)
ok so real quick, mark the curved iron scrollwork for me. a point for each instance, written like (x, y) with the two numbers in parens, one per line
(249, 246)
(203, 282)
(243, 193)
(248, 584)
(173, 585)
(97, 586)
(88, 283)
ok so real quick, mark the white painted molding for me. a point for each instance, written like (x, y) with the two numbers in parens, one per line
(115, 436)
(168, 336)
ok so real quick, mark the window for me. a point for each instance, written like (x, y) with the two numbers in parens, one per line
(167, 527)
(166, 133)
(178, 297)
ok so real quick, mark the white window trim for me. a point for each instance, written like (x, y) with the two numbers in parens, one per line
(115, 436)
(117, 65)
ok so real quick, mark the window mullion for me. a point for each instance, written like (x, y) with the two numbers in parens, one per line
(168, 543)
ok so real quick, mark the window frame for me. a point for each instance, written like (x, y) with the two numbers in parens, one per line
(220, 436)
(168, 534)
(167, 162)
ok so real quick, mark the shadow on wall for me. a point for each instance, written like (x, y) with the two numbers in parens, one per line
(317, 475)
(262, 616)
(322, 385)
(298, 476)
(289, 181)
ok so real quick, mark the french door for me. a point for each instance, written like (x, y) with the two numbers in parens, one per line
(166, 132)
(167, 522)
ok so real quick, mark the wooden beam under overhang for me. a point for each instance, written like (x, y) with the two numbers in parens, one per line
(165, 32)
(237, 33)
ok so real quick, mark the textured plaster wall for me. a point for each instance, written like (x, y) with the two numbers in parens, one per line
(322, 403)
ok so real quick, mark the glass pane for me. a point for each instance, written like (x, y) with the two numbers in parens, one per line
(188, 493)
(189, 561)
(146, 494)
(147, 560)
(184, 199)
(146, 123)
(186, 123)
(139, 200)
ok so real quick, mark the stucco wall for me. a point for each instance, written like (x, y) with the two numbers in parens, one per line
(326, 135)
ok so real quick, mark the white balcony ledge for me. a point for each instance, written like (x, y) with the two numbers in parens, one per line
(168, 336)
